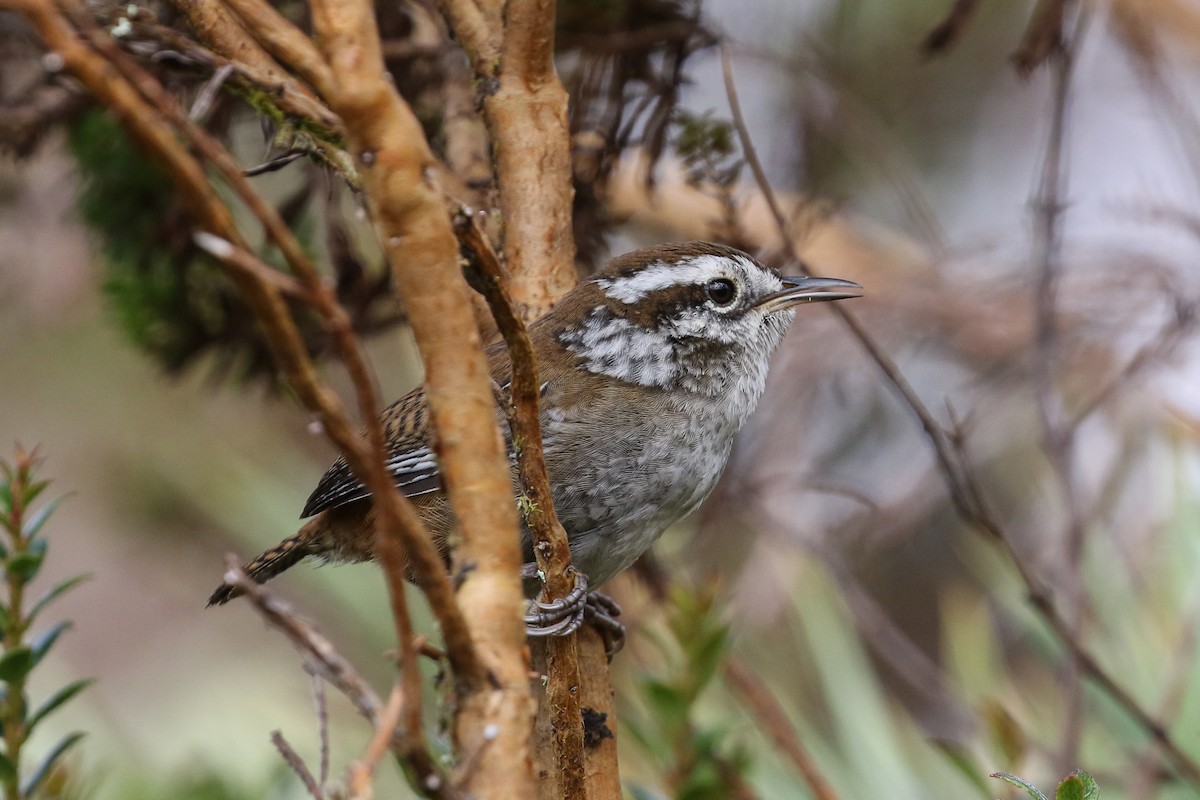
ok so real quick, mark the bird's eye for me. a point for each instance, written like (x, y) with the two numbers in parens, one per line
(721, 291)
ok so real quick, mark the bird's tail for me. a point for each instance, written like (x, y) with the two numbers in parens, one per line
(282, 556)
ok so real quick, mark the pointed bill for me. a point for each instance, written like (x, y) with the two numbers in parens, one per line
(809, 290)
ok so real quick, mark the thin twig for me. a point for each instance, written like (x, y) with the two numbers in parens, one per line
(762, 703)
(321, 709)
(1058, 436)
(401, 179)
(325, 658)
(208, 93)
(297, 765)
(969, 501)
(551, 548)
(362, 772)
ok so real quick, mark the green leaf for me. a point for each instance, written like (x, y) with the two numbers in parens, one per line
(30, 786)
(15, 664)
(53, 594)
(8, 770)
(1021, 782)
(25, 565)
(54, 701)
(38, 518)
(1071, 788)
(46, 639)
(6, 495)
(33, 490)
(669, 704)
(1078, 786)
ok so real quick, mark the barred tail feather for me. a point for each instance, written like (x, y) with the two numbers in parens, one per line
(282, 556)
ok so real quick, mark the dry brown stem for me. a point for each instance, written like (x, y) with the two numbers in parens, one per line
(1042, 35)
(528, 121)
(283, 40)
(320, 652)
(362, 772)
(220, 29)
(401, 181)
(397, 520)
(559, 658)
(293, 760)
(145, 121)
(970, 501)
(525, 108)
(761, 702)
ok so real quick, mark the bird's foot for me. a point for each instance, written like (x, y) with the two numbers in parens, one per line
(564, 616)
(601, 611)
(560, 617)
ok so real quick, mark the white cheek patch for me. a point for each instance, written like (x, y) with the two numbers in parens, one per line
(698, 323)
(613, 346)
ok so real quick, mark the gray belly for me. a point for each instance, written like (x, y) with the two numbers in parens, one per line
(619, 484)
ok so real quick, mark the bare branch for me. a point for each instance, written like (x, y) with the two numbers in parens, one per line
(215, 25)
(284, 41)
(969, 501)
(320, 652)
(362, 771)
(527, 117)
(297, 765)
(550, 548)
(401, 179)
(761, 702)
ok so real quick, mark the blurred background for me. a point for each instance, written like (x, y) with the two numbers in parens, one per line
(1041, 306)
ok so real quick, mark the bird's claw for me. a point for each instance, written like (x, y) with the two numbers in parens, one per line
(564, 616)
(560, 617)
(601, 611)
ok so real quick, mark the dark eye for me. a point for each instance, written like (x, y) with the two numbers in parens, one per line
(721, 291)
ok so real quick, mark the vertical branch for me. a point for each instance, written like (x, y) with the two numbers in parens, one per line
(1058, 434)
(527, 117)
(525, 108)
(550, 539)
(401, 181)
(396, 519)
(969, 499)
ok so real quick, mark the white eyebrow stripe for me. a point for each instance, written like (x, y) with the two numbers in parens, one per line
(660, 275)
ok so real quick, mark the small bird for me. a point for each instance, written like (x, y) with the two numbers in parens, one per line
(650, 367)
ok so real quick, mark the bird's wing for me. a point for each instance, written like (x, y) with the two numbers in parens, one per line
(415, 472)
(410, 459)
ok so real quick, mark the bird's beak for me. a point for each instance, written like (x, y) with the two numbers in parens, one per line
(809, 290)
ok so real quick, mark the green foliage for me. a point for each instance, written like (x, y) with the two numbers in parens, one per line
(171, 298)
(698, 759)
(707, 147)
(1079, 785)
(23, 557)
